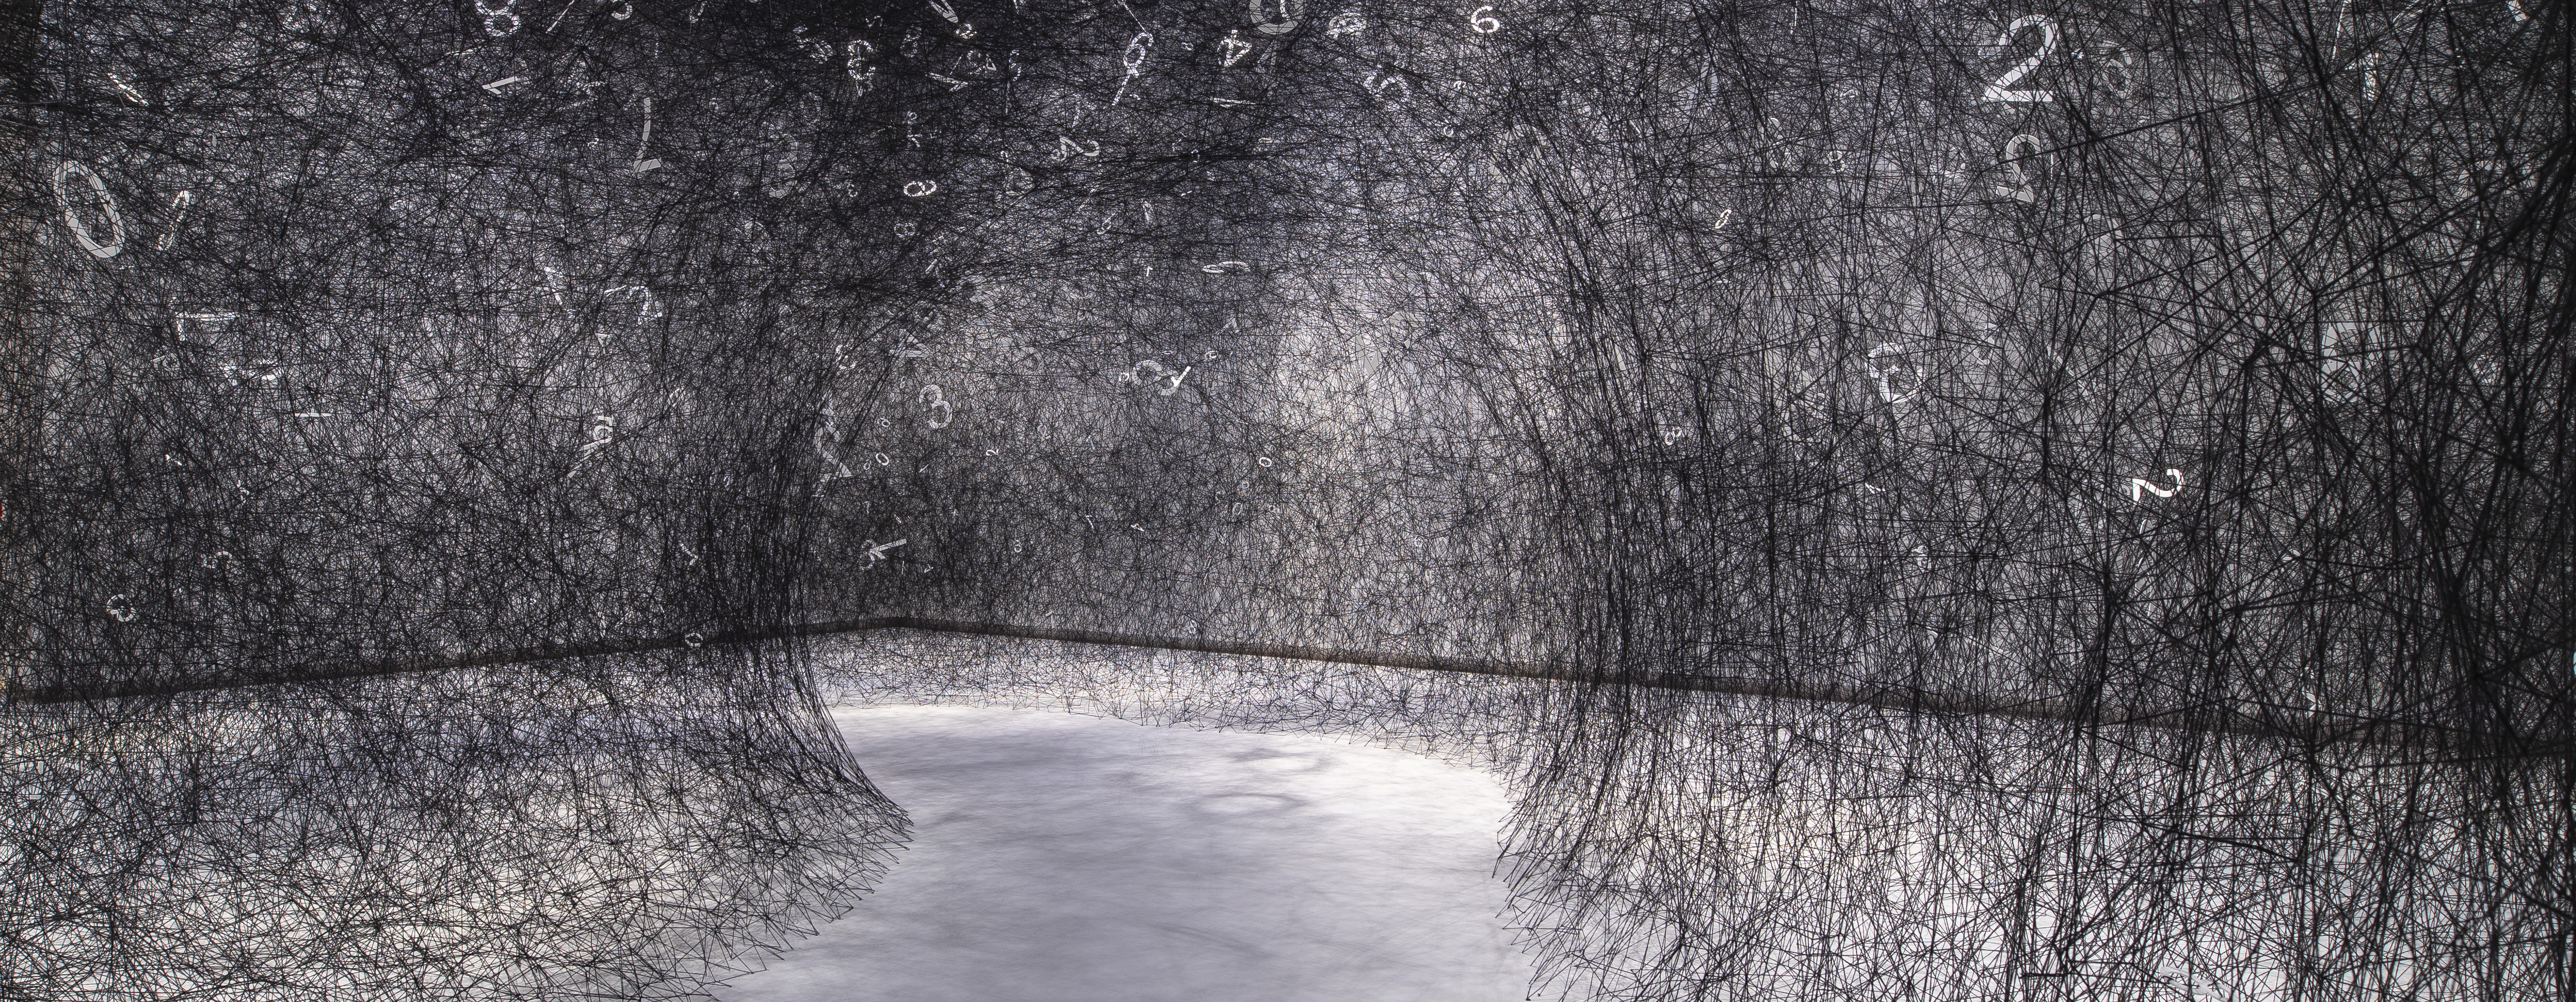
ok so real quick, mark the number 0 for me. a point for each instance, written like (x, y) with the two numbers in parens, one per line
(99, 197)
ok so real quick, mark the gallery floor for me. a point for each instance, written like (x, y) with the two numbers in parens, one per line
(1065, 858)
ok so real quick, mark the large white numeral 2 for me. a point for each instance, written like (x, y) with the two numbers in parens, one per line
(2001, 88)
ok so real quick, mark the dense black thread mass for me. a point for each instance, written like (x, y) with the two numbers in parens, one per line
(2197, 365)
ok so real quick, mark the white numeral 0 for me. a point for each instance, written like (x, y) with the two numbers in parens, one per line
(99, 196)
(1290, 12)
(2000, 89)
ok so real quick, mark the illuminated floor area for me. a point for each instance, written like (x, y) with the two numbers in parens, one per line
(1065, 858)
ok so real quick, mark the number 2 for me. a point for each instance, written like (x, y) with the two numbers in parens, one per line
(2139, 487)
(2000, 89)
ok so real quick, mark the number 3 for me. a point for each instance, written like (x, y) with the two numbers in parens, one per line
(2000, 90)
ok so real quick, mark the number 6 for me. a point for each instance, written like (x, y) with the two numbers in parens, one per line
(1483, 21)
(2020, 189)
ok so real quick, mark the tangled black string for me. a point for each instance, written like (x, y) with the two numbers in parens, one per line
(2143, 431)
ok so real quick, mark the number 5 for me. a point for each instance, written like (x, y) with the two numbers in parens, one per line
(2000, 89)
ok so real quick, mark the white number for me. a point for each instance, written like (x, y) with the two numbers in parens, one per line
(642, 165)
(1234, 47)
(120, 607)
(1774, 150)
(2020, 187)
(131, 94)
(601, 434)
(493, 16)
(1289, 13)
(1345, 23)
(179, 322)
(2347, 348)
(1132, 376)
(916, 189)
(1482, 19)
(859, 51)
(178, 213)
(1379, 81)
(650, 309)
(819, 49)
(99, 197)
(1884, 376)
(833, 432)
(2000, 89)
(1799, 400)
(1135, 61)
(2137, 485)
(937, 401)
(2115, 57)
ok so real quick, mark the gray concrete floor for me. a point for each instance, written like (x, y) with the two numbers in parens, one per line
(1067, 858)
